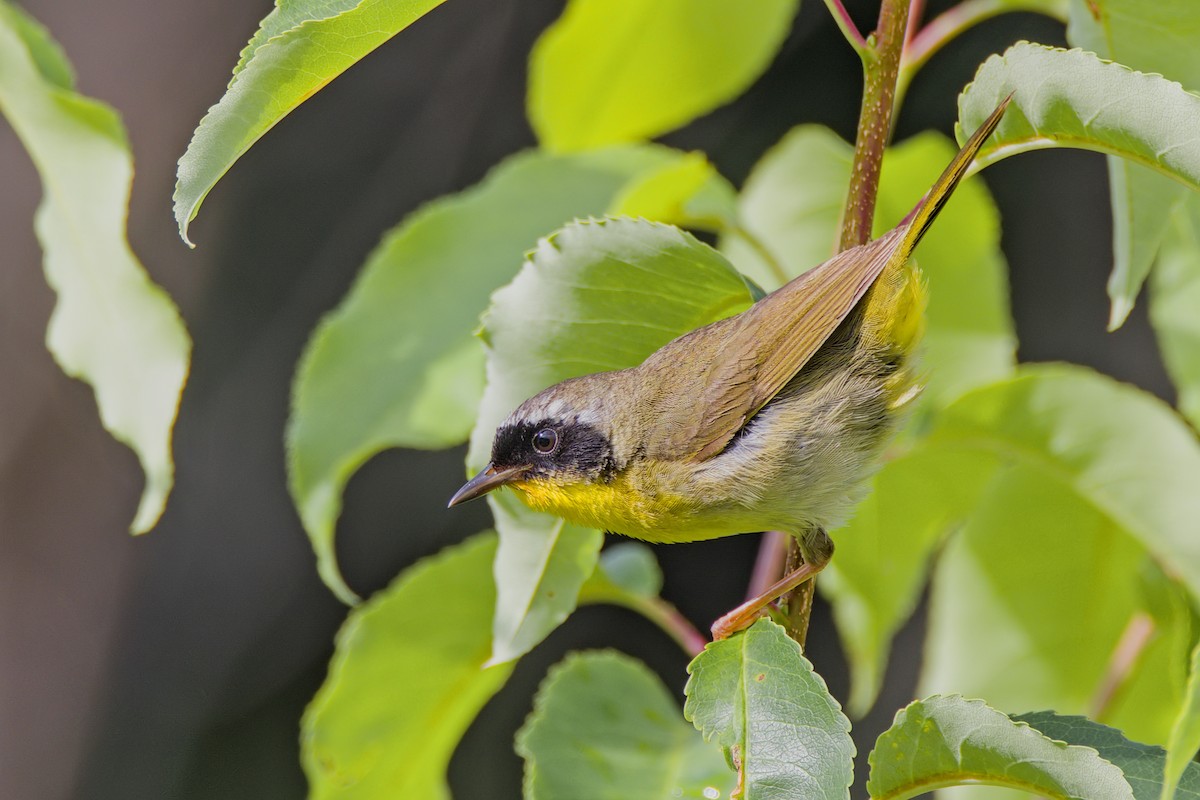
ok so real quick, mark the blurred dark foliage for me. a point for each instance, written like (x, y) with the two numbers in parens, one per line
(177, 665)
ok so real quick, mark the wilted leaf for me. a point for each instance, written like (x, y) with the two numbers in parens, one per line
(112, 326)
(300, 47)
(595, 296)
(605, 74)
(406, 681)
(759, 698)
(605, 728)
(948, 741)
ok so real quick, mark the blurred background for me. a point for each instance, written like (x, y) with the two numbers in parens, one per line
(176, 665)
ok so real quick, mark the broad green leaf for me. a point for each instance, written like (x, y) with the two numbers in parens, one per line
(876, 579)
(407, 679)
(1072, 98)
(1120, 449)
(687, 192)
(604, 727)
(1142, 764)
(112, 326)
(792, 204)
(597, 295)
(300, 47)
(1030, 601)
(605, 74)
(759, 698)
(1175, 296)
(1185, 739)
(395, 365)
(1153, 37)
(946, 741)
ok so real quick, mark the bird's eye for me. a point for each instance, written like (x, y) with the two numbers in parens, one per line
(545, 440)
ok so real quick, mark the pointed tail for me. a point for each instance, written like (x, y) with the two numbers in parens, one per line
(927, 210)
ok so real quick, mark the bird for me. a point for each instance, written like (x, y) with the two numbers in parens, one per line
(772, 419)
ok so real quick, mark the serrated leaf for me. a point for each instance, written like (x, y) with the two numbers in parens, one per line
(1072, 98)
(600, 76)
(604, 727)
(395, 365)
(876, 580)
(112, 326)
(1142, 764)
(949, 741)
(792, 204)
(1152, 37)
(759, 698)
(406, 681)
(1174, 298)
(300, 47)
(595, 296)
(1185, 740)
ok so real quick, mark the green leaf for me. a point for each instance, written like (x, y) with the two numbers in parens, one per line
(1121, 450)
(604, 74)
(406, 681)
(1175, 296)
(792, 204)
(1185, 739)
(395, 365)
(112, 326)
(949, 741)
(759, 698)
(597, 295)
(300, 47)
(603, 726)
(1142, 764)
(1071, 98)
(687, 192)
(1152, 37)
(1029, 604)
(876, 579)
(630, 567)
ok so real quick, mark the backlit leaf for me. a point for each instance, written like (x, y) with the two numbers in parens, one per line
(112, 326)
(300, 47)
(407, 679)
(605, 74)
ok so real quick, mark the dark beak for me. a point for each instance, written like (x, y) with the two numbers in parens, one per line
(489, 478)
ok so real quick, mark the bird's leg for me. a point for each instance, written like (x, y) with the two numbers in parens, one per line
(817, 549)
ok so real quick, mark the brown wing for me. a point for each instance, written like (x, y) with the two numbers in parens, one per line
(768, 344)
(773, 340)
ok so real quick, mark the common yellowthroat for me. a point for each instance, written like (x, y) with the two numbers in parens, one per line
(772, 419)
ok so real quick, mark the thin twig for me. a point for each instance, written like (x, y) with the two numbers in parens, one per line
(1125, 656)
(671, 621)
(874, 122)
(778, 271)
(848, 28)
